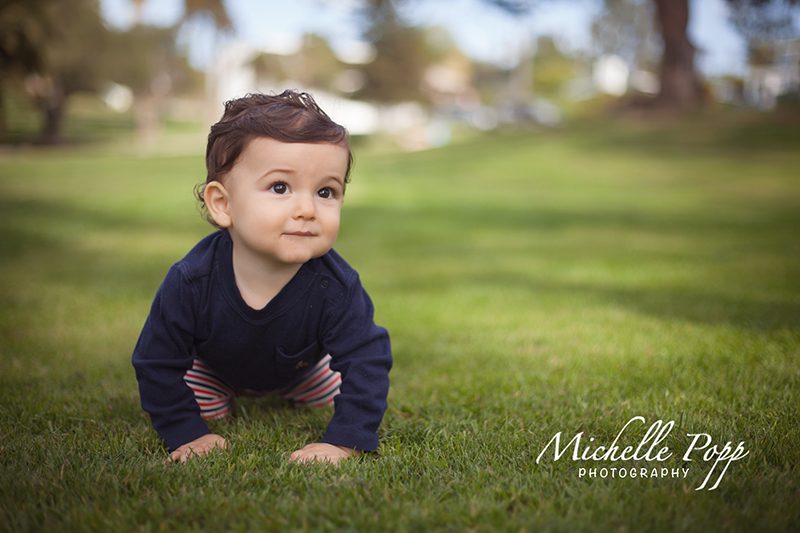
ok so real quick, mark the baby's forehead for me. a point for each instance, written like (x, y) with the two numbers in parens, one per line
(272, 147)
(263, 153)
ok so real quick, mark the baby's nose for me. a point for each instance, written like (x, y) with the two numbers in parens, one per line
(304, 207)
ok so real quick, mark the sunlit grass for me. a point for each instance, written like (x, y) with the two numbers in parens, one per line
(531, 283)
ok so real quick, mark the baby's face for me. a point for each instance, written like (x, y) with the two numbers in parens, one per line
(285, 199)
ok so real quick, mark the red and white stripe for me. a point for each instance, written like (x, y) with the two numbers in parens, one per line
(213, 396)
(315, 388)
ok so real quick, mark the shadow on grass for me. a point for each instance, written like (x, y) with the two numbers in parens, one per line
(696, 305)
(65, 244)
(433, 222)
(729, 134)
(446, 249)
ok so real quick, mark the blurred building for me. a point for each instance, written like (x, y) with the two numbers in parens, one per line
(236, 71)
(240, 68)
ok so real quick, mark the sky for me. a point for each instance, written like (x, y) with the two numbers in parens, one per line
(482, 32)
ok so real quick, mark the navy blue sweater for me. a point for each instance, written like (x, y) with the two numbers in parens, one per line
(198, 312)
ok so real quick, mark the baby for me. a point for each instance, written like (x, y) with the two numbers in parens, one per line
(264, 304)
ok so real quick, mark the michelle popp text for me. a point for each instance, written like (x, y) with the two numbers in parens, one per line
(701, 448)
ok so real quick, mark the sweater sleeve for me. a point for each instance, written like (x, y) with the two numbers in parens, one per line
(361, 352)
(163, 354)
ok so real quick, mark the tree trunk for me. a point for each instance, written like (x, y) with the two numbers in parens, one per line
(3, 116)
(680, 84)
(55, 108)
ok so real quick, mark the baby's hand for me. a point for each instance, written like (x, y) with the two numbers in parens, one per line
(197, 447)
(321, 451)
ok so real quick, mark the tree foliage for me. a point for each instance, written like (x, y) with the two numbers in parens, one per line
(143, 56)
(765, 19)
(60, 47)
(402, 56)
(314, 65)
(215, 9)
(625, 28)
(759, 21)
(52, 39)
(552, 68)
(513, 7)
(763, 24)
(22, 30)
(54, 44)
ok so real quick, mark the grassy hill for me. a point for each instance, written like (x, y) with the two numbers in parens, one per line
(533, 283)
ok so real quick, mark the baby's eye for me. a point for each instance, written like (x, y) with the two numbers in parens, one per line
(327, 192)
(279, 188)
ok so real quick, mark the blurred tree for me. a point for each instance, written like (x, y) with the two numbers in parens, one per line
(146, 59)
(314, 65)
(215, 9)
(765, 20)
(680, 84)
(770, 28)
(138, 54)
(553, 67)
(270, 68)
(21, 31)
(48, 42)
(318, 65)
(155, 68)
(22, 25)
(402, 56)
(513, 7)
(59, 48)
(764, 24)
(625, 28)
(449, 79)
(520, 79)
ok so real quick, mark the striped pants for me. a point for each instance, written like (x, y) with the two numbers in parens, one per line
(315, 388)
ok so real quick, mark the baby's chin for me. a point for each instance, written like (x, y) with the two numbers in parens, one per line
(299, 258)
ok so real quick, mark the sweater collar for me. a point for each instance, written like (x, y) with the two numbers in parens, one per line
(300, 283)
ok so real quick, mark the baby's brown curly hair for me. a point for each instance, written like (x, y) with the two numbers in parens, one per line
(292, 117)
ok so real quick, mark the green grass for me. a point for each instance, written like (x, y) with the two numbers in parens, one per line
(531, 283)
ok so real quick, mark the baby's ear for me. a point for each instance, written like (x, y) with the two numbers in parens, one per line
(216, 199)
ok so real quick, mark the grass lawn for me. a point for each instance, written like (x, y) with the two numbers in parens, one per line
(532, 284)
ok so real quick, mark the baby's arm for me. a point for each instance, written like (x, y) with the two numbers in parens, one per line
(361, 353)
(163, 354)
(197, 447)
